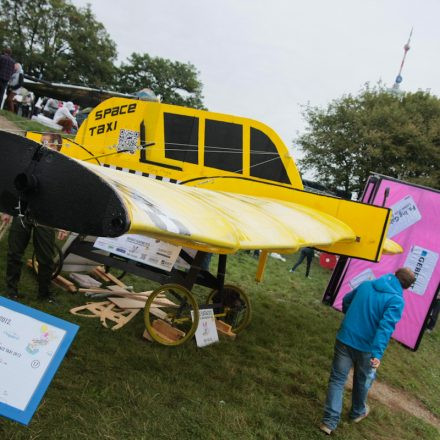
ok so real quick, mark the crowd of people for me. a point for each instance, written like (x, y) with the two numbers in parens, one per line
(15, 98)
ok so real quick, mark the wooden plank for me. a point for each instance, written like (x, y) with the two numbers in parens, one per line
(59, 281)
(100, 274)
(136, 301)
(119, 317)
(84, 280)
(64, 284)
(225, 329)
(158, 313)
(4, 227)
(166, 331)
(127, 303)
(117, 288)
(123, 294)
(94, 309)
(93, 290)
(147, 336)
(106, 311)
(111, 278)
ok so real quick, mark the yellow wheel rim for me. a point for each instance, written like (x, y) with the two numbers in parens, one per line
(236, 307)
(168, 316)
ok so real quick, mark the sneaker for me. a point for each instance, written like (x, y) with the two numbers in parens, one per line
(325, 428)
(362, 417)
(15, 296)
(291, 271)
(49, 299)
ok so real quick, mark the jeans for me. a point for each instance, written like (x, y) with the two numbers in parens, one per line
(344, 358)
(301, 259)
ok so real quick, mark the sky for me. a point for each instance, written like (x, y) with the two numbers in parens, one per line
(267, 59)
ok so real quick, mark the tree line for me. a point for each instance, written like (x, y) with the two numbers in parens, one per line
(377, 130)
(396, 134)
(57, 41)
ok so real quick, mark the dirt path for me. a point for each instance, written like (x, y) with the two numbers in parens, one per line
(6, 125)
(397, 399)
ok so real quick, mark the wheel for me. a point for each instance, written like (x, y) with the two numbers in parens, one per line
(58, 261)
(234, 304)
(168, 317)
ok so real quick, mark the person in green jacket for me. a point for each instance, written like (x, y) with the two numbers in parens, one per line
(43, 241)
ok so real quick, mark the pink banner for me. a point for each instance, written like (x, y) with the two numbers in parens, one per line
(415, 225)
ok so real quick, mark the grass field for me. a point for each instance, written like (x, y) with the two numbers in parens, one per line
(24, 123)
(268, 384)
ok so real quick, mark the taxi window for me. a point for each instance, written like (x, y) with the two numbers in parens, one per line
(181, 137)
(265, 160)
(224, 145)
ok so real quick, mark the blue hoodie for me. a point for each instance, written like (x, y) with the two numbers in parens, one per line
(372, 311)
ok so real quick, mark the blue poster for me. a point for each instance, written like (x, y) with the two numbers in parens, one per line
(32, 346)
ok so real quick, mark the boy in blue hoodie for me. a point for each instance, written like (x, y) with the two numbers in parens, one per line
(372, 311)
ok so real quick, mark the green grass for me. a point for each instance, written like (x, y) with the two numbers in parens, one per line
(24, 123)
(268, 384)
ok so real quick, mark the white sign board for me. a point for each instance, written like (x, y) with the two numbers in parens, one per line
(26, 348)
(422, 262)
(181, 264)
(32, 345)
(206, 332)
(143, 249)
(405, 214)
(365, 275)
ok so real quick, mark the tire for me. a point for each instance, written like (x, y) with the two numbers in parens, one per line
(235, 304)
(177, 316)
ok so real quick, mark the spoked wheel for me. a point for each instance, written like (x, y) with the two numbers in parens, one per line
(167, 314)
(233, 304)
(58, 262)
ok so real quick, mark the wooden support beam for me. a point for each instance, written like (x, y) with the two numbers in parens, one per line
(225, 329)
(166, 331)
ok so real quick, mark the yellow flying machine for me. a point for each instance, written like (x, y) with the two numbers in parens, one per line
(216, 183)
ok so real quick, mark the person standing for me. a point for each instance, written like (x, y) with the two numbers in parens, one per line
(308, 253)
(14, 84)
(43, 241)
(7, 68)
(372, 311)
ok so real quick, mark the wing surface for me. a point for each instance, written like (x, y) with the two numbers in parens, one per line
(62, 192)
(220, 221)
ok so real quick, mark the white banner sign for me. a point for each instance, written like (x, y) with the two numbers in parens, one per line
(422, 262)
(26, 350)
(405, 214)
(365, 275)
(206, 332)
(143, 249)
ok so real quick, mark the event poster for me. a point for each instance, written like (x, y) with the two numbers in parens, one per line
(140, 248)
(415, 225)
(206, 333)
(32, 345)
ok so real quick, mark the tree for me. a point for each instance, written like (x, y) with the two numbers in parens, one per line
(57, 41)
(376, 131)
(176, 82)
